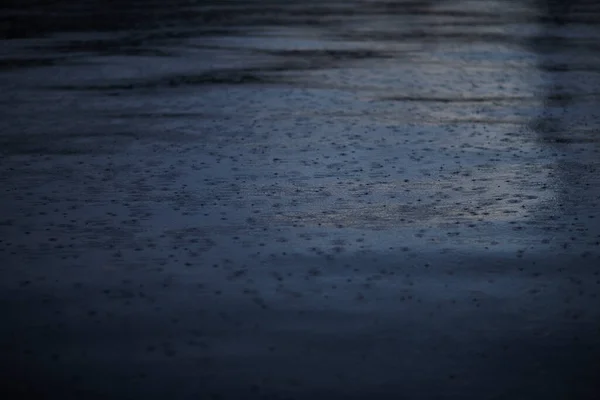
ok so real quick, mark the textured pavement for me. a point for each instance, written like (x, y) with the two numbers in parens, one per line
(298, 200)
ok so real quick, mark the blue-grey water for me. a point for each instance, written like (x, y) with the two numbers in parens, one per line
(359, 199)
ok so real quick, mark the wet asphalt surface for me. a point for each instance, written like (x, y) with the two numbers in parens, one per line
(285, 200)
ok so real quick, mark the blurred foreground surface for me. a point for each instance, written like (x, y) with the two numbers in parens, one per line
(319, 199)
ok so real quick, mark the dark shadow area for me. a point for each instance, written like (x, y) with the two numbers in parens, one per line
(569, 62)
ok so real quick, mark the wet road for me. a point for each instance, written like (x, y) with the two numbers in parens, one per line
(276, 200)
